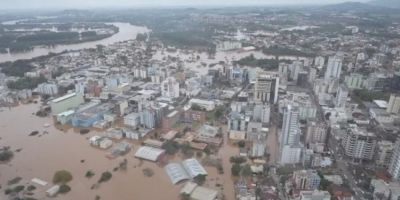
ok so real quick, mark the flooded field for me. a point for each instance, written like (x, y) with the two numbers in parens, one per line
(42, 155)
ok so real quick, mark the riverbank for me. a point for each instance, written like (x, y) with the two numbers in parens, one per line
(126, 32)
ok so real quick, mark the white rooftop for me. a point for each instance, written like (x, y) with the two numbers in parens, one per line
(381, 103)
(149, 153)
(64, 97)
(202, 193)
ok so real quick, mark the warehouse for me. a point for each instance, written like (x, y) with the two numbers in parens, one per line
(150, 153)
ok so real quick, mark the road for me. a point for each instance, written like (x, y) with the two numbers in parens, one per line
(338, 154)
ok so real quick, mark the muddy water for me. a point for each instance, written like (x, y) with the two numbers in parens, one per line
(42, 156)
(191, 62)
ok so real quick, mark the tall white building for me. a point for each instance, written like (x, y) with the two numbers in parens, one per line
(394, 167)
(290, 146)
(354, 81)
(312, 75)
(266, 87)
(394, 104)
(316, 132)
(47, 88)
(333, 69)
(341, 96)
(319, 62)
(359, 143)
(262, 112)
(295, 69)
(170, 88)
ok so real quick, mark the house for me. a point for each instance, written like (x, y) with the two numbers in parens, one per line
(237, 135)
(170, 135)
(121, 148)
(208, 131)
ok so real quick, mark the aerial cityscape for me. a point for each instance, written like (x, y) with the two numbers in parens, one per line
(200, 100)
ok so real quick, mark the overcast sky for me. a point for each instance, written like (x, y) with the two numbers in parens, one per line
(43, 4)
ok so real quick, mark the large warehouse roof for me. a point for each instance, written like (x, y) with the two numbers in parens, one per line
(149, 153)
(193, 167)
(176, 172)
(189, 168)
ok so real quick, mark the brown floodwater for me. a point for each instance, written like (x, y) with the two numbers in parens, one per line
(42, 156)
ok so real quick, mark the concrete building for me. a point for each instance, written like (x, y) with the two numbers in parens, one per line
(228, 45)
(316, 132)
(359, 143)
(238, 121)
(289, 143)
(67, 102)
(384, 153)
(312, 75)
(132, 120)
(266, 87)
(341, 96)
(170, 88)
(302, 101)
(261, 113)
(291, 154)
(394, 104)
(47, 88)
(334, 68)
(354, 81)
(207, 105)
(295, 69)
(306, 179)
(394, 167)
(313, 195)
(319, 62)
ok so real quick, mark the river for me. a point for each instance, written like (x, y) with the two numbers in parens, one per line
(126, 32)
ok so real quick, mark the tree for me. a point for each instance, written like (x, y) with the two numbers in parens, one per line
(64, 188)
(235, 170)
(196, 107)
(105, 176)
(242, 143)
(238, 159)
(89, 174)
(171, 147)
(219, 112)
(6, 155)
(185, 196)
(186, 150)
(246, 170)
(62, 176)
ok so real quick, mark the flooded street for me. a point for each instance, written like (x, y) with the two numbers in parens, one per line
(41, 157)
(44, 154)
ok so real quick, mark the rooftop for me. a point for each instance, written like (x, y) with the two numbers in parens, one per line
(149, 153)
(64, 97)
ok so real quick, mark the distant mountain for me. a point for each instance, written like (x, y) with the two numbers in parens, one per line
(386, 3)
(361, 7)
